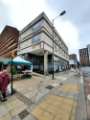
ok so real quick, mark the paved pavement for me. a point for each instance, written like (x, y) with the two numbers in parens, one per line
(86, 76)
(41, 98)
(54, 108)
(9, 110)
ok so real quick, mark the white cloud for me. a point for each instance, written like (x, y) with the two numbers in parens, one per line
(4, 15)
(23, 11)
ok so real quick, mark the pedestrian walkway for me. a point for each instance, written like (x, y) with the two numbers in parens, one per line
(61, 103)
(39, 99)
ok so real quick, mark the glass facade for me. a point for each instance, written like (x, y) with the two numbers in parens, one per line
(37, 26)
(36, 39)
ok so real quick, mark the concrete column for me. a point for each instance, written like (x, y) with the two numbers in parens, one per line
(45, 62)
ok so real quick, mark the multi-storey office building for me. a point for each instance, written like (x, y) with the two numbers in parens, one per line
(84, 57)
(73, 60)
(73, 56)
(8, 41)
(36, 44)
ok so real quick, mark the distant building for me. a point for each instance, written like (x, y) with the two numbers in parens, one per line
(84, 57)
(8, 42)
(73, 60)
(88, 46)
(36, 44)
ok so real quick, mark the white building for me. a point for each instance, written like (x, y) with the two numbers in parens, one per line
(36, 44)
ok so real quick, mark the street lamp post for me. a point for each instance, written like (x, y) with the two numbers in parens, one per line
(53, 37)
(11, 76)
(12, 56)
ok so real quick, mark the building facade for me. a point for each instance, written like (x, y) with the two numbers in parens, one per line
(84, 57)
(73, 62)
(88, 46)
(8, 42)
(36, 44)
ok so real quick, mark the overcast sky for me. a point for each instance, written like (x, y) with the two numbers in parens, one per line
(74, 26)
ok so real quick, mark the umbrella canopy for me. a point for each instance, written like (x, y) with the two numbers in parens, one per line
(4, 60)
(18, 61)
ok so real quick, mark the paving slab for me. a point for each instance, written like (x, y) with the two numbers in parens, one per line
(10, 109)
(6, 117)
(54, 107)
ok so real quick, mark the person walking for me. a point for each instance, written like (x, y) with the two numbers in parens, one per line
(4, 81)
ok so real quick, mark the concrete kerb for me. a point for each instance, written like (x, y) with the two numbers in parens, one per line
(81, 110)
(85, 96)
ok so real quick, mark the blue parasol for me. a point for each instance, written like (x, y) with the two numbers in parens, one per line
(19, 61)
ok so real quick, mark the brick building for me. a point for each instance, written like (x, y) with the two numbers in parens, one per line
(8, 41)
(88, 46)
(84, 57)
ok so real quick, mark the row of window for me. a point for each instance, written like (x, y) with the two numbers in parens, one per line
(33, 29)
(37, 26)
(57, 49)
(36, 39)
(61, 44)
(81, 54)
(27, 43)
